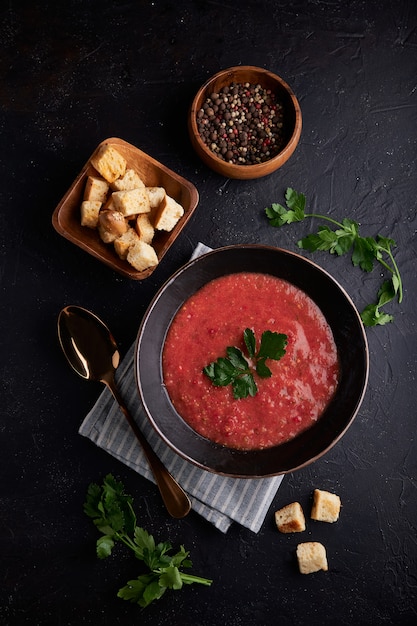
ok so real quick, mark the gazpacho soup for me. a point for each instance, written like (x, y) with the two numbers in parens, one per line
(302, 381)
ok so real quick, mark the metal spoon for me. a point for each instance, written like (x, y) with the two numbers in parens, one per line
(92, 352)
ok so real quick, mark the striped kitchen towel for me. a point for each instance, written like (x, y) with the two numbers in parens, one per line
(219, 499)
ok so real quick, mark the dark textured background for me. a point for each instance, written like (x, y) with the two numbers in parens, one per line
(75, 73)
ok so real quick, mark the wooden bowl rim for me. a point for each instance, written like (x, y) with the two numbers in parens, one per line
(247, 171)
(66, 218)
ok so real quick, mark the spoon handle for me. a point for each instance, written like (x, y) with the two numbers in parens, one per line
(176, 500)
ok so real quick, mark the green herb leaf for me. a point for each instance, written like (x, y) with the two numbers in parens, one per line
(385, 243)
(237, 359)
(112, 513)
(294, 212)
(277, 215)
(313, 242)
(135, 589)
(336, 242)
(104, 546)
(171, 578)
(386, 293)
(364, 253)
(238, 371)
(262, 369)
(250, 341)
(372, 316)
(144, 544)
(272, 345)
(221, 372)
(142, 590)
(296, 201)
(181, 558)
(244, 386)
(92, 503)
(109, 507)
(365, 250)
(395, 283)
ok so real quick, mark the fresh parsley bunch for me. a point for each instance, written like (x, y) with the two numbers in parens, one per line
(365, 250)
(237, 371)
(112, 512)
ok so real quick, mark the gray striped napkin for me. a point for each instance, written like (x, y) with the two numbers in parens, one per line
(219, 499)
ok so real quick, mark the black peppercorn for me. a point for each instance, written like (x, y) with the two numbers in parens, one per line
(242, 124)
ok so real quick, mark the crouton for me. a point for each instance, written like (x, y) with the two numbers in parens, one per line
(109, 163)
(111, 224)
(168, 214)
(290, 519)
(326, 506)
(109, 204)
(144, 228)
(132, 201)
(156, 195)
(127, 212)
(124, 242)
(130, 180)
(96, 189)
(90, 210)
(311, 557)
(141, 256)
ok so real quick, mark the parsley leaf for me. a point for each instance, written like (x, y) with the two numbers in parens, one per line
(294, 212)
(112, 513)
(250, 342)
(363, 254)
(365, 251)
(372, 314)
(238, 371)
(142, 590)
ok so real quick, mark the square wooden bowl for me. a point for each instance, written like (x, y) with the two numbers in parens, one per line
(66, 218)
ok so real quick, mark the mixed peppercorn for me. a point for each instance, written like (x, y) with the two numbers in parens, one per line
(242, 124)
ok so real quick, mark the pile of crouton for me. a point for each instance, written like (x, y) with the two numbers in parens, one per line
(124, 210)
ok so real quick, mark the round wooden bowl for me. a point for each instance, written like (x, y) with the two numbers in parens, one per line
(292, 120)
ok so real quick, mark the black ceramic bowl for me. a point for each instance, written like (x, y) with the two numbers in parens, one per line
(348, 333)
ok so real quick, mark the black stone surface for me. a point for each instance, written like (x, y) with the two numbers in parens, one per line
(75, 73)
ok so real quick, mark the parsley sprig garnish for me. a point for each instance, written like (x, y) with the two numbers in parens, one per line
(112, 512)
(345, 237)
(237, 371)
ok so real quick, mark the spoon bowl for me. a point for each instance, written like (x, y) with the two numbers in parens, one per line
(92, 352)
(88, 344)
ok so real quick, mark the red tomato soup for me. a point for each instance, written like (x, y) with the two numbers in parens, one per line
(302, 382)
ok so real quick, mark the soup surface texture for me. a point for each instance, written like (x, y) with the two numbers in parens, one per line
(215, 317)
